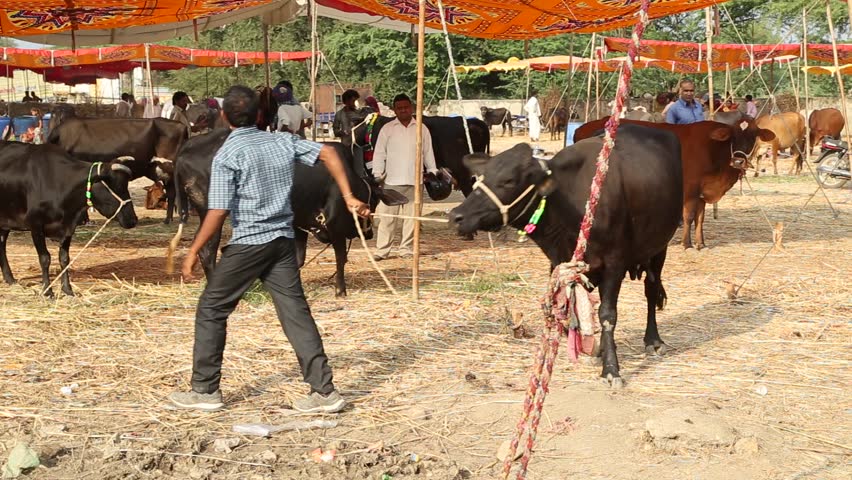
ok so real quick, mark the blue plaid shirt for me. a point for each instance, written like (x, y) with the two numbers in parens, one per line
(252, 176)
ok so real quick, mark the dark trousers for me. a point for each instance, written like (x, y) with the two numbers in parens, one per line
(274, 263)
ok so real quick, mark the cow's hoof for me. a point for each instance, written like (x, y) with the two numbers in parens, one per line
(616, 383)
(658, 349)
(340, 294)
(167, 221)
(10, 281)
(68, 292)
(49, 293)
(467, 237)
(700, 247)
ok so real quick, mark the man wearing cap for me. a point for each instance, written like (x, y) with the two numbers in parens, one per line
(685, 110)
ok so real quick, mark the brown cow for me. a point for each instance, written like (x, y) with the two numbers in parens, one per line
(155, 196)
(714, 156)
(557, 120)
(826, 122)
(789, 130)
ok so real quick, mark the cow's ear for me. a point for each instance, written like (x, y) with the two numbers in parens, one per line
(475, 162)
(766, 135)
(546, 186)
(721, 134)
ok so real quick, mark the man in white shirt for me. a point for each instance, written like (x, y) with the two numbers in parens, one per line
(292, 116)
(394, 163)
(533, 116)
(153, 109)
(124, 108)
(180, 101)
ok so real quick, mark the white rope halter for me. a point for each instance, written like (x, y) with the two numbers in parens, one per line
(504, 209)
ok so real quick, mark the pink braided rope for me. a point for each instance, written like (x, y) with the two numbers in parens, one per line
(546, 356)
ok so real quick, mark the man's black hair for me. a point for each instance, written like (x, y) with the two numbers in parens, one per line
(350, 95)
(240, 106)
(749, 98)
(401, 98)
(178, 96)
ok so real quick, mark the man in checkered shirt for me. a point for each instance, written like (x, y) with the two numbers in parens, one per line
(251, 179)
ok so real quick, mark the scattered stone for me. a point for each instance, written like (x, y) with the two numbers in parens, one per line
(689, 425)
(503, 451)
(52, 429)
(225, 445)
(198, 473)
(470, 376)
(21, 458)
(268, 456)
(761, 390)
(747, 446)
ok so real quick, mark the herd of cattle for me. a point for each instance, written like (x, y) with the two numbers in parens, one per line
(660, 176)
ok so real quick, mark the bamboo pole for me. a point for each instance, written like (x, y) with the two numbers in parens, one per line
(808, 145)
(708, 16)
(589, 76)
(267, 72)
(837, 74)
(526, 99)
(418, 163)
(314, 68)
(149, 77)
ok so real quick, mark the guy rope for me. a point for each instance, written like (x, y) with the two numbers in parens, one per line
(568, 306)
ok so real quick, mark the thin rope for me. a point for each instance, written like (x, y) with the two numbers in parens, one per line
(438, 88)
(317, 255)
(62, 272)
(370, 254)
(452, 70)
(325, 61)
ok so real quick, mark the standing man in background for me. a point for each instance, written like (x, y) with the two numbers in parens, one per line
(685, 110)
(393, 163)
(533, 116)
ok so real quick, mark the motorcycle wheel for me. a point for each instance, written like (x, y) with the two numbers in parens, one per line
(828, 181)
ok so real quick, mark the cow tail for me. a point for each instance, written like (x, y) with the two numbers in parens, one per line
(173, 244)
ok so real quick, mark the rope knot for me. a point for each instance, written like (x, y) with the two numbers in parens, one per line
(570, 303)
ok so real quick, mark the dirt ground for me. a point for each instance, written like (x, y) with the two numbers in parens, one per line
(753, 387)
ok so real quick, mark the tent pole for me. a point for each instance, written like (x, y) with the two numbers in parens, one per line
(589, 74)
(808, 145)
(837, 71)
(314, 69)
(206, 82)
(149, 77)
(527, 97)
(266, 53)
(709, 21)
(597, 88)
(418, 163)
(447, 93)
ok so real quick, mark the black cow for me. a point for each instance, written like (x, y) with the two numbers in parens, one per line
(449, 142)
(638, 213)
(152, 142)
(43, 190)
(497, 116)
(318, 206)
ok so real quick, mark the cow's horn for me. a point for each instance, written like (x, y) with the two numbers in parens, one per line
(125, 158)
(161, 160)
(123, 168)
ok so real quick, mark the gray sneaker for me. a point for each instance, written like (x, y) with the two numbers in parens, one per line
(207, 402)
(316, 403)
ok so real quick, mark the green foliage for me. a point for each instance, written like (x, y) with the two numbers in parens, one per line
(388, 59)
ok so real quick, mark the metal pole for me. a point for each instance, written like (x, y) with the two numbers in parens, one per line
(708, 15)
(418, 163)
(314, 69)
(526, 99)
(808, 145)
(837, 71)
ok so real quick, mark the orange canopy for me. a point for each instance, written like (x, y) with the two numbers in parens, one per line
(519, 19)
(135, 55)
(732, 54)
(33, 17)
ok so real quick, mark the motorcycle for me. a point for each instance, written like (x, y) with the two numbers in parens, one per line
(833, 171)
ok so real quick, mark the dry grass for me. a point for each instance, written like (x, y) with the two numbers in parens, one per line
(126, 341)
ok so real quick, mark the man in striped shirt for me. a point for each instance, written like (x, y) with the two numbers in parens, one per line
(251, 179)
